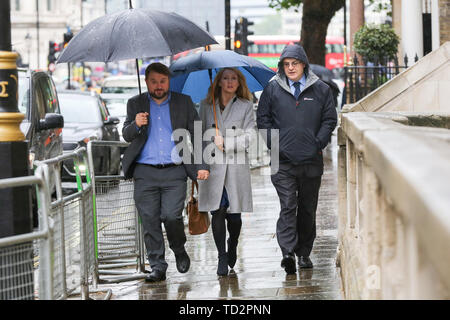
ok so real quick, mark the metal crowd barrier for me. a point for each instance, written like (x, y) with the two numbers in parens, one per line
(73, 220)
(119, 245)
(22, 275)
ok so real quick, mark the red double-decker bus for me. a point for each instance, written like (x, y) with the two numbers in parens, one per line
(267, 49)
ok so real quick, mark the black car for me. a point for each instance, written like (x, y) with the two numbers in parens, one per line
(87, 118)
(43, 123)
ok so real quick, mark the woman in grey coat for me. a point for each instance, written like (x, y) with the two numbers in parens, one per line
(228, 191)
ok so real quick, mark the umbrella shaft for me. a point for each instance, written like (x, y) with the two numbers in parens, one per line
(137, 70)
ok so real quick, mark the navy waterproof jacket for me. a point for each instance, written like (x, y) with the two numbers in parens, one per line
(305, 125)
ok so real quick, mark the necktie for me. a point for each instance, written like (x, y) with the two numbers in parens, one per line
(297, 90)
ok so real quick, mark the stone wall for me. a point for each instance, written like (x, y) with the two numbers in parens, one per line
(393, 173)
(444, 20)
(394, 227)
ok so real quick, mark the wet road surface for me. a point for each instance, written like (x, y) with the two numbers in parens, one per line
(258, 271)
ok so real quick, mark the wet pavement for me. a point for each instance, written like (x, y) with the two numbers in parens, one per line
(258, 272)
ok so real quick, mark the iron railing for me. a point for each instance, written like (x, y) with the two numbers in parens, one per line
(360, 80)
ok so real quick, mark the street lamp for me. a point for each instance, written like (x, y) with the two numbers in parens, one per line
(15, 214)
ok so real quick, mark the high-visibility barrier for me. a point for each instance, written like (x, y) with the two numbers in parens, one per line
(119, 242)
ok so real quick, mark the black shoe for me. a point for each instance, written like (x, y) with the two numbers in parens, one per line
(222, 265)
(288, 263)
(304, 263)
(183, 262)
(155, 276)
(232, 255)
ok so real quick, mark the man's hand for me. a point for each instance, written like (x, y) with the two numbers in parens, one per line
(202, 174)
(141, 119)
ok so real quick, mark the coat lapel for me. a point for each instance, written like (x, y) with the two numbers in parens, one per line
(227, 109)
(173, 113)
(220, 121)
(144, 106)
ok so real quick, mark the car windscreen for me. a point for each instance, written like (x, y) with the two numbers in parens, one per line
(132, 90)
(79, 109)
(117, 107)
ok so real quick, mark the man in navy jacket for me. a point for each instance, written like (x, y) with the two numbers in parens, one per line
(301, 107)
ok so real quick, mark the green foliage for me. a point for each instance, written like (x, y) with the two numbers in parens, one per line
(376, 42)
(284, 4)
(381, 5)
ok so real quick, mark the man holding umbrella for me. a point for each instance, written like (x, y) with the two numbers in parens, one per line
(153, 159)
(302, 110)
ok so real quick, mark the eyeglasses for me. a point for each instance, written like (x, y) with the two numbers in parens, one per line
(294, 64)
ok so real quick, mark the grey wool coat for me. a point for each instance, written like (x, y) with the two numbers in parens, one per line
(230, 168)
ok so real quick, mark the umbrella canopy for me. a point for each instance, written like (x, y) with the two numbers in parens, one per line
(134, 33)
(323, 73)
(327, 76)
(190, 74)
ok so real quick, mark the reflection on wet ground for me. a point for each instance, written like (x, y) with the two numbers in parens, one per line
(258, 272)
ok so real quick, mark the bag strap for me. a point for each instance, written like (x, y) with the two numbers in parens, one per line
(194, 183)
(213, 102)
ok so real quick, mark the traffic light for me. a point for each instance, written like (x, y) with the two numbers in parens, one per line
(238, 39)
(53, 51)
(67, 37)
(245, 33)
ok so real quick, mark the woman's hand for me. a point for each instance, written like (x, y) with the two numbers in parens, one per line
(218, 140)
(202, 174)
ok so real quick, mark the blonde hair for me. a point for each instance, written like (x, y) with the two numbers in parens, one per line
(242, 91)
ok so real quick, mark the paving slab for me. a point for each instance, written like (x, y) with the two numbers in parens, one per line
(258, 272)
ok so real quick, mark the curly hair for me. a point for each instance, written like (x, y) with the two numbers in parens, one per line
(242, 91)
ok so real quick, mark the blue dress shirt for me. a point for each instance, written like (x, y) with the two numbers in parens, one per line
(159, 145)
(302, 84)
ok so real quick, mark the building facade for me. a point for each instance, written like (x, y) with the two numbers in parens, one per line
(36, 22)
(430, 30)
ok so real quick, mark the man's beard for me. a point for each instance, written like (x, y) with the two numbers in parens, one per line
(159, 96)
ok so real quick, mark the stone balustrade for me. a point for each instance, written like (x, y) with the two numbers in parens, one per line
(394, 205)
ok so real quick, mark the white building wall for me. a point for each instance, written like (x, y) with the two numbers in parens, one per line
(53, 24)
(412, 33)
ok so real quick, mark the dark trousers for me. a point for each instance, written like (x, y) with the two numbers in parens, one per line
(159, 195)
(298, 189)
(233, 224)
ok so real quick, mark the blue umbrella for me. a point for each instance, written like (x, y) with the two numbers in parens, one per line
(190, 75)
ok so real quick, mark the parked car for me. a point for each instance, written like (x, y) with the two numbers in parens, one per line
(43, 123)
(123, 84)
(117, 106)
(87, 118)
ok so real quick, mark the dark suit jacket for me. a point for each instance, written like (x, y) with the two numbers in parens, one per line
(182, 116)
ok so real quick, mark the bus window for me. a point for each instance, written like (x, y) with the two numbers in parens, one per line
(253, 49)
(334, 48)
(279, 48)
